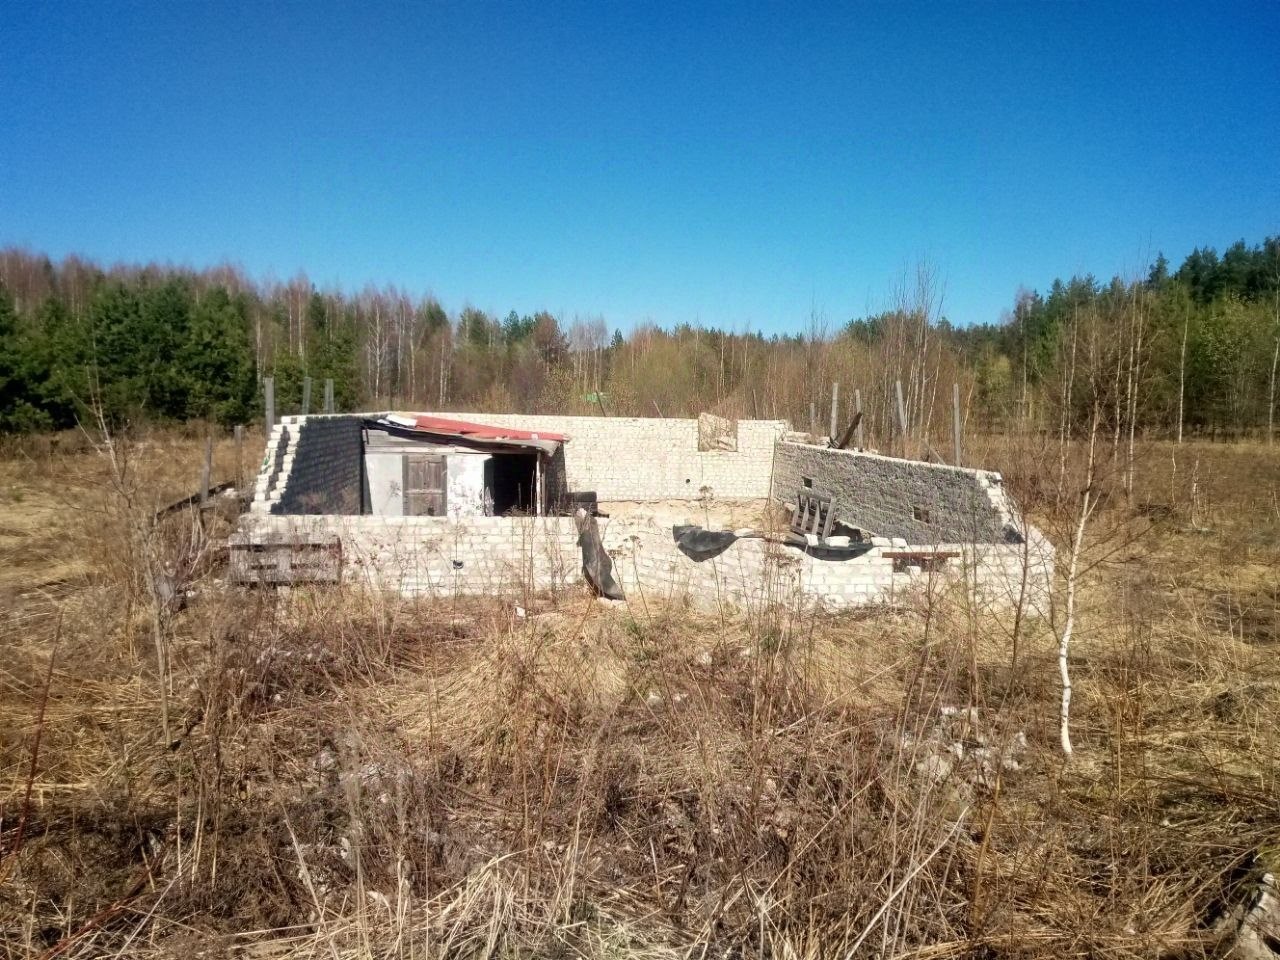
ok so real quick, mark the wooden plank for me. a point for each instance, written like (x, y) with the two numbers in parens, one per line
(814, 514)
(848, 434)
(193, 500)
(425, 485)
(314, 561)
(857, 406)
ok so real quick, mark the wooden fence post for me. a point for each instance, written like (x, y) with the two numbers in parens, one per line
(902, 418)
(835, 400)
(955, 419)
(857, 408)
(206, 471)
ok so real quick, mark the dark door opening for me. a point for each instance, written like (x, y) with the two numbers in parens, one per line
(510, 479)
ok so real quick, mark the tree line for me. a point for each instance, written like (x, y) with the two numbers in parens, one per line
(1188, 350)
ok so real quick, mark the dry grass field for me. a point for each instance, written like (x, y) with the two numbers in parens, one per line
(335, 774)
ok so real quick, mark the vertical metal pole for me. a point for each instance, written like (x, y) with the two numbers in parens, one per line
(902, 417)
(306, 395)
(328, 395)
(239, 455)
(835, 400)
(206, 470)
(955, 419)
(269, 387)
(857, 408)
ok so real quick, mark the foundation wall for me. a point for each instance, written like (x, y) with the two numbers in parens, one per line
(753, 573)
(503, 556)
(924, 503)
(500, 556)
(437, 556)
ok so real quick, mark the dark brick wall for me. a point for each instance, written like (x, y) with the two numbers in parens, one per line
(328, 468)
(924, 503)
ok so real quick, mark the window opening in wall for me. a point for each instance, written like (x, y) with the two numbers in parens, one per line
(919, 513)
(425, 485)
(808, 482)
(717, 434)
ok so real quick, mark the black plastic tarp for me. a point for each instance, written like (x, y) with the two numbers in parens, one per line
(597, 565)
(699, 544)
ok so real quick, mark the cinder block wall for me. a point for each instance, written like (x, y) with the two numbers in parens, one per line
(327, 471)
(438, 556)
(504, 556)
(646, 458)
(752, 573)
(889, 497)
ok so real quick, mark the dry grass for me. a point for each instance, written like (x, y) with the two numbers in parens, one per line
(351, 775)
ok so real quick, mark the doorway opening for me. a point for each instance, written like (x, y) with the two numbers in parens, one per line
(511, 479)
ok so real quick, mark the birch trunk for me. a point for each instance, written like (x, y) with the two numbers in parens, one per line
(1182, 372)
(1271, 389)
(1087, 503)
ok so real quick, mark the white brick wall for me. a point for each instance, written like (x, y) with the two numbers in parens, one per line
(752, 573)
(502, 556)
(439, 556)
(646, 458)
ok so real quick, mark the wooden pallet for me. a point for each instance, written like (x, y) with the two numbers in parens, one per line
(287, 562)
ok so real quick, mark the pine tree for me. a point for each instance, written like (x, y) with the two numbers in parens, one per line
(216, 360)
(19, 374)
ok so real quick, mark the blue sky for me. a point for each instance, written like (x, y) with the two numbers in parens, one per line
(726, 164)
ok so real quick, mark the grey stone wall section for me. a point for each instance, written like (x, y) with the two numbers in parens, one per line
(889, 497)
(327, 475)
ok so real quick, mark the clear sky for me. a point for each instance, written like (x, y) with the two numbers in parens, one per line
(729, 164)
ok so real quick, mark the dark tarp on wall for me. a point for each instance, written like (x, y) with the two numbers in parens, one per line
(597, 565)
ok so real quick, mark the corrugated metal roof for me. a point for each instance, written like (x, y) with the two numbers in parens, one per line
(476, 435)
(482, 431)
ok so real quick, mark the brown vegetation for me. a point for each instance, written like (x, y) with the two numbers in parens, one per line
(353, 775)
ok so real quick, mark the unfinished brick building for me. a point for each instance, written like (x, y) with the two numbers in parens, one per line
(447, 504)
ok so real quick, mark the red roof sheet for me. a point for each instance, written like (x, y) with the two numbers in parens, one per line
(482, 431)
